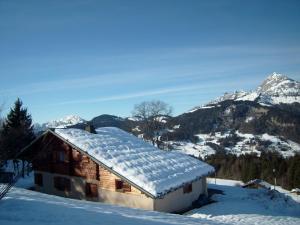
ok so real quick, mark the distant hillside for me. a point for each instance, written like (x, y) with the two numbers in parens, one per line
(267, 118)
(272, 110)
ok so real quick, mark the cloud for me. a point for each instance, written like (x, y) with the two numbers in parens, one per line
(194, 63)
(156, 92)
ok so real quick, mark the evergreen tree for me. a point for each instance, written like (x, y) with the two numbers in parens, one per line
(17, 131)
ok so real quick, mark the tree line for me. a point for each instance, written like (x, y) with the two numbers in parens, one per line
(268, 166)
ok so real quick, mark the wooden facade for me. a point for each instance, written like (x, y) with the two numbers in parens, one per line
(60, 158)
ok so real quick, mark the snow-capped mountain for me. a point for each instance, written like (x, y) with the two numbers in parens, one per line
(69, 120)
(276, 89)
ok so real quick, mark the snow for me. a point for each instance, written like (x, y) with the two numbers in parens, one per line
(133, 119)
(176, 126)
(207, 106)
(236, 205)
(249, 119)
(26, 182)
(197, 150)
(225, 182)
(162, 119)
(21, 206)
(252, 96)
(63, 122)
(275, 89)
(247, 145)
(295, 190)
(232, 205)
(152, 169)
(137, 129)
(260, 182)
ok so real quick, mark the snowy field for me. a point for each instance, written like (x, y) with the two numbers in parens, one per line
(233, 205)
(237, 205)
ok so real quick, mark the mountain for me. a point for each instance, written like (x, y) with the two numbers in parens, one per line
(276, 89)
(67, 121)
(267, 118)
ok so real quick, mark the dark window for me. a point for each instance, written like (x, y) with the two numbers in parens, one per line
(122, 186)
(119, 185)
(60, 156)
(62, 183)
(38, 179)
(97, 173)
(187, 188)
(91, 190)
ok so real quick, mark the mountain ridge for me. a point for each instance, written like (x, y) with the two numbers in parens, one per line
(275, 89)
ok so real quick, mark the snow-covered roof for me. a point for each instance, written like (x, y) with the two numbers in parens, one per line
(150, 168)
(295, 190)
(259, 182)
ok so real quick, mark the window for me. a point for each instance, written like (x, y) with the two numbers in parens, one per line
(62, 183)
(187, 188)
(91, 190)
(97, 172)
(119, 185)
(60, 156)
(38, 179)
(122, 186)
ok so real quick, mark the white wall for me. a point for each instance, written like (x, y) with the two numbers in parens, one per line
(177, 201)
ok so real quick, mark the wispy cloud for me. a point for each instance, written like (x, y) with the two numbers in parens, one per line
(72, 83)
(164, 65)
(155, 92)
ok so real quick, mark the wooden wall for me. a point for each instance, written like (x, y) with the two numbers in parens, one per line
(49, 159)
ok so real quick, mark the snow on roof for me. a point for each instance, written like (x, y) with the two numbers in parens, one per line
(260, 182)
(150, 168)
(296, 190)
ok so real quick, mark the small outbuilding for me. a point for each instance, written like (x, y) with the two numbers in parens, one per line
(116, 167)
(296, 191)
(258, 183)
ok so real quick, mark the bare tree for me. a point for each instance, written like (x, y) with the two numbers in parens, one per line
(151, 114)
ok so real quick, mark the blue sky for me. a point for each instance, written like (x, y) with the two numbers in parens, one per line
(93, 57)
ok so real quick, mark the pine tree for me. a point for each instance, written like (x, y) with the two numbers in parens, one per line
(17, 131)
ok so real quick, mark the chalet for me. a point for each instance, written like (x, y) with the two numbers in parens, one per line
(296, 191)
(116, 167)
(258, 183)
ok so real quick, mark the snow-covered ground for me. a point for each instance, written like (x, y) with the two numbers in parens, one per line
(249, 143)
(236, 205)
(233, 205)
(21, 207)
(197, 150)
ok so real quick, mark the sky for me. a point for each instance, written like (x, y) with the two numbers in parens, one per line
(93, 57)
